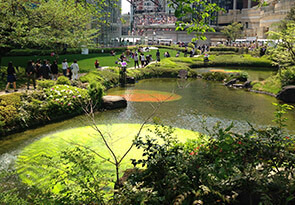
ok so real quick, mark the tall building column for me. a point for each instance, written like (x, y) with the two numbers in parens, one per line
(249, 4)
(235, 5)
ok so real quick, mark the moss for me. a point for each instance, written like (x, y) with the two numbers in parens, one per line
(271, 85)
(31, 165)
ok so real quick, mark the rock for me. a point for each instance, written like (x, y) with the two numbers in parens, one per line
(237, 85)
(287, 94)
(231, 82)
(113, 102)
(130, 80)
(182, 74)
(247, 84)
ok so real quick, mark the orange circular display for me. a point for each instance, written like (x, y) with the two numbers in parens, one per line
(146, 95)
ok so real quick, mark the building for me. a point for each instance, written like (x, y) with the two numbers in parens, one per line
(256, 20)
(110, 33)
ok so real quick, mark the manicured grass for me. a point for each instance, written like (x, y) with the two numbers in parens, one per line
(30, 163)
(86, 62)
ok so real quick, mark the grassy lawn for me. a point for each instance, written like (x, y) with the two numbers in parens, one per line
(86, 62)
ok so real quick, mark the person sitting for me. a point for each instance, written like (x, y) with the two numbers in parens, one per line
(96, 64)
(177, 54)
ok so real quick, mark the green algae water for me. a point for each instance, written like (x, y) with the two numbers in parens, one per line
(197, 98)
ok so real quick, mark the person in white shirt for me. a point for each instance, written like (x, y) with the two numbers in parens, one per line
(65, 67)
(75, 70)
(142, 60)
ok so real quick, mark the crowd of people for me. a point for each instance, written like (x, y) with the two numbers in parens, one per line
(154, 19)
(146, 20)
(40, 70)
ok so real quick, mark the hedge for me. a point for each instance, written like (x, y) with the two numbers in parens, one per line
(44, 52)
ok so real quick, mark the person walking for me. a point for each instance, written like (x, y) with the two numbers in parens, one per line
(10, 77)
(75, 70)
(31, 74)
(158, 56)
(54, 70)
(142, 60)
(136, 60)
(65, 67)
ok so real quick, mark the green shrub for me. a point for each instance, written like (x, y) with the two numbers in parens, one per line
(63, 80)
(9, 115)
(223, 167)
(29, 52)
(221, 49)
(215, 76)
(45, 84)
(95, 91)
(63, 99)
(287, 76)
(270, 85)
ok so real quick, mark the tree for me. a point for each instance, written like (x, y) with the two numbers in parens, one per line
(233, 31)
(283, 53)
(194, 16)
(49, 23)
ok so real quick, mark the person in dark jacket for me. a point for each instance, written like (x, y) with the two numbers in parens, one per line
(37, 68)
(54, 70)
(10, 77)
(45, 70)
(31, 74)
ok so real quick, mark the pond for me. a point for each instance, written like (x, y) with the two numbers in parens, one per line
(194, 100)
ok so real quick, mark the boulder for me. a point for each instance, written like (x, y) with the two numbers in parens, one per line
(231, 82)
(247, 84)
(238, 85)
(113, 102)
(182, 74)
(287, 94)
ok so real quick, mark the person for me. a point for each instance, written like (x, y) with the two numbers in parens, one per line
(185, 52)
(177, 54)
(122, 57)
(31, 74)
(37, 68)
(148, 59)
(45, 70)
(112, 53)
(11, 77)
(54, 70)
(75, 69)
(136, 60)
(96, 64)
(142, 60)
(123, 65)
(158, 56)
(65, 67)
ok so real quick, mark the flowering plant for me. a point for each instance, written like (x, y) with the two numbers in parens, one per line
(66, 98)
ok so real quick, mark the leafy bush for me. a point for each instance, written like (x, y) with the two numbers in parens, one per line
(45, 84)
(287, 76)
(95, 91)
(62, 99)
(270, 85)
(62, 80)
(223, 167)
(215, 76)
(9, 105)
